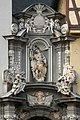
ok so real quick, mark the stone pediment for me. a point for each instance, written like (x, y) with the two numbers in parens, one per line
(36, 8)
(38, 19)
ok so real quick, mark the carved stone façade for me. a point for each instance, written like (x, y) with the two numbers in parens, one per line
(38, 52)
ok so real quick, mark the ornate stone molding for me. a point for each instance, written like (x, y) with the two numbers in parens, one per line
(40, 98)
(40, 23)
(10, 117)
(70, 117)
(65, 80)
(18, 84)
(17, 79)
(55, 115)
(9, 75)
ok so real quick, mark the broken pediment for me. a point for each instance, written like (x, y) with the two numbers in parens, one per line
(38, 8)
(37, 19)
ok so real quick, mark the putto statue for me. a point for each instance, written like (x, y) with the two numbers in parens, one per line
(38, 64)
(18, 81)
(65, 80)
(18, 84)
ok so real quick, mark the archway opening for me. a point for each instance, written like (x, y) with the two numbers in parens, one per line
(39, 118)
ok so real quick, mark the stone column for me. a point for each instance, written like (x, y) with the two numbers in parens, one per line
(11, 55)
(58, 59)
(67, 54)
(18, 57)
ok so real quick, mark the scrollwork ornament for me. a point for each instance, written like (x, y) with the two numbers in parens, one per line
(64, 29)
(14, 28)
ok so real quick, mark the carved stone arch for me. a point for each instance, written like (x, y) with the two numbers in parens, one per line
(39, 118)
(44, 7)
(46, 49)
(40, 113)
(41, 42)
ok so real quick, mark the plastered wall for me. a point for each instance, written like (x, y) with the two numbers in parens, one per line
(75, 60)
(62, 7)
(5, 23)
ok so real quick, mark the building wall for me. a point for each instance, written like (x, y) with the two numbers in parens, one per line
(62, 7)
(75, 60)
(5, 23)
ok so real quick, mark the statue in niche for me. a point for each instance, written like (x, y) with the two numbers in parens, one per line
(38, 64)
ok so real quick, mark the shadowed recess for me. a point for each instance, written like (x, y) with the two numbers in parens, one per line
(39, 118)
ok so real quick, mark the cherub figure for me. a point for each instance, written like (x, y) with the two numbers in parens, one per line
(51, 25)
(66, 79)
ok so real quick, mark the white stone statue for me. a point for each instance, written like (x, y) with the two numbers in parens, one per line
(18, 84)
(51, 25)
(69, 72)
(65, 80)
(27, 25)
(38, 64)
(57, 28)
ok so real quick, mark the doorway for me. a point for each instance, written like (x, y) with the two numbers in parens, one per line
(39, 118)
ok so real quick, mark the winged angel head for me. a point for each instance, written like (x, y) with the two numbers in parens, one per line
(38, 64)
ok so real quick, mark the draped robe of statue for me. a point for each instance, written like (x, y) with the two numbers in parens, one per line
(38, 64)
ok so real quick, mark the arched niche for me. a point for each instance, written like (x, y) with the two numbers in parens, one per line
(42, 114)
(46, 50)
